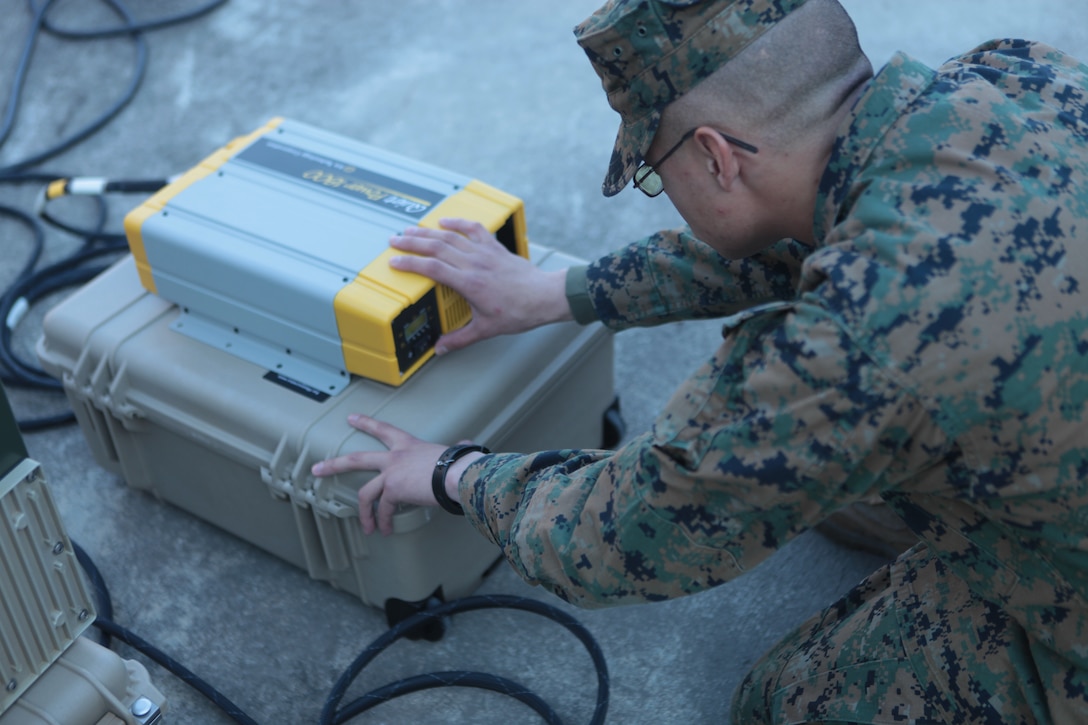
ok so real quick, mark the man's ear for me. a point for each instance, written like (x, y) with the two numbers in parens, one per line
(717, 156)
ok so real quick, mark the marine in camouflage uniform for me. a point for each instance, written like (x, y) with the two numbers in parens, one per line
(932, 348)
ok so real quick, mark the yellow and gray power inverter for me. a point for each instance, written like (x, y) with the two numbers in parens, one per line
(275, 247)
(215, 435)
(48, 672)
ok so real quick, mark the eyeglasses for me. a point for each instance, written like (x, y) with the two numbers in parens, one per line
(648, 181)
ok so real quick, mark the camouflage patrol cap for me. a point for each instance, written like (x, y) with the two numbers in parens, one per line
(648, 53)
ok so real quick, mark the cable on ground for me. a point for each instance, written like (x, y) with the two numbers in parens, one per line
(333, 715)
(31, 284)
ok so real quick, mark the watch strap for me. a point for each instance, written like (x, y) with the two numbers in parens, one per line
(442, 467)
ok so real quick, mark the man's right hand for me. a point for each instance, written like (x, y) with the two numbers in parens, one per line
(507, 293)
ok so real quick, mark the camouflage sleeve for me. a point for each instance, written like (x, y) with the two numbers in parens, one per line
(672, 276)
(786, 423)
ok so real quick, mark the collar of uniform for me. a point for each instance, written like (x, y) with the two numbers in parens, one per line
(884, 102)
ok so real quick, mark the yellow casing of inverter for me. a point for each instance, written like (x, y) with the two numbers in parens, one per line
(275, 247)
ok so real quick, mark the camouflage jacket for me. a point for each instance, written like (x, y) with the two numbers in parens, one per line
(932, 348)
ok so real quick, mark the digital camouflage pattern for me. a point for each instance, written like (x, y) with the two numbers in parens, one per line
(849, 664)
(648, 53)
(932, 348)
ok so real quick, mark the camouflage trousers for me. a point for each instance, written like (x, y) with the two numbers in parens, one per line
(910, 644)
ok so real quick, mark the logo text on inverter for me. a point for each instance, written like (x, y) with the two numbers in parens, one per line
(364, 185)
(372, 192)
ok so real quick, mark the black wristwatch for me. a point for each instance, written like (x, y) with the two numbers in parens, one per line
(438, 478)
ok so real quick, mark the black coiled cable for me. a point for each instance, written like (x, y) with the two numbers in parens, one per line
(31, 285)
(331, 715)
(133, 640)
(39, 25)
(110, 629)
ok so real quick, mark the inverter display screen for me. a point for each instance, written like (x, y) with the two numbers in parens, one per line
(416, 329)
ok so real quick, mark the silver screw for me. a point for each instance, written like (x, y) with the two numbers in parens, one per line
(142, 707)
(58, 547)
(83, 614)
(12, 684)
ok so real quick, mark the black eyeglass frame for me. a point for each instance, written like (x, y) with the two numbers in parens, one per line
(647, 170)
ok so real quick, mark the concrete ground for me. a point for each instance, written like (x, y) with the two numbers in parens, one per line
(500, 92)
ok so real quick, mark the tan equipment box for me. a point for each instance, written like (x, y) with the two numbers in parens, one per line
(233, 443)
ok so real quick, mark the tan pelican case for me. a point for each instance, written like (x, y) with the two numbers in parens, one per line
(233, 443)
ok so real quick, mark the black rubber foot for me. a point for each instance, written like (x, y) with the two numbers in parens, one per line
(397, 610)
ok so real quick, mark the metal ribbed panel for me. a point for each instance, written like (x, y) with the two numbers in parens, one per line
(44, 602)
(455, 309)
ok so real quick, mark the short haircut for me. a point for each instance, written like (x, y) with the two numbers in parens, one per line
(795, 75)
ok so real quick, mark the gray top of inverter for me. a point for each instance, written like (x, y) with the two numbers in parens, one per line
(261, 247)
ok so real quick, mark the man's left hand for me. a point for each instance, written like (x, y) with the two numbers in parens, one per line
(403, 472)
